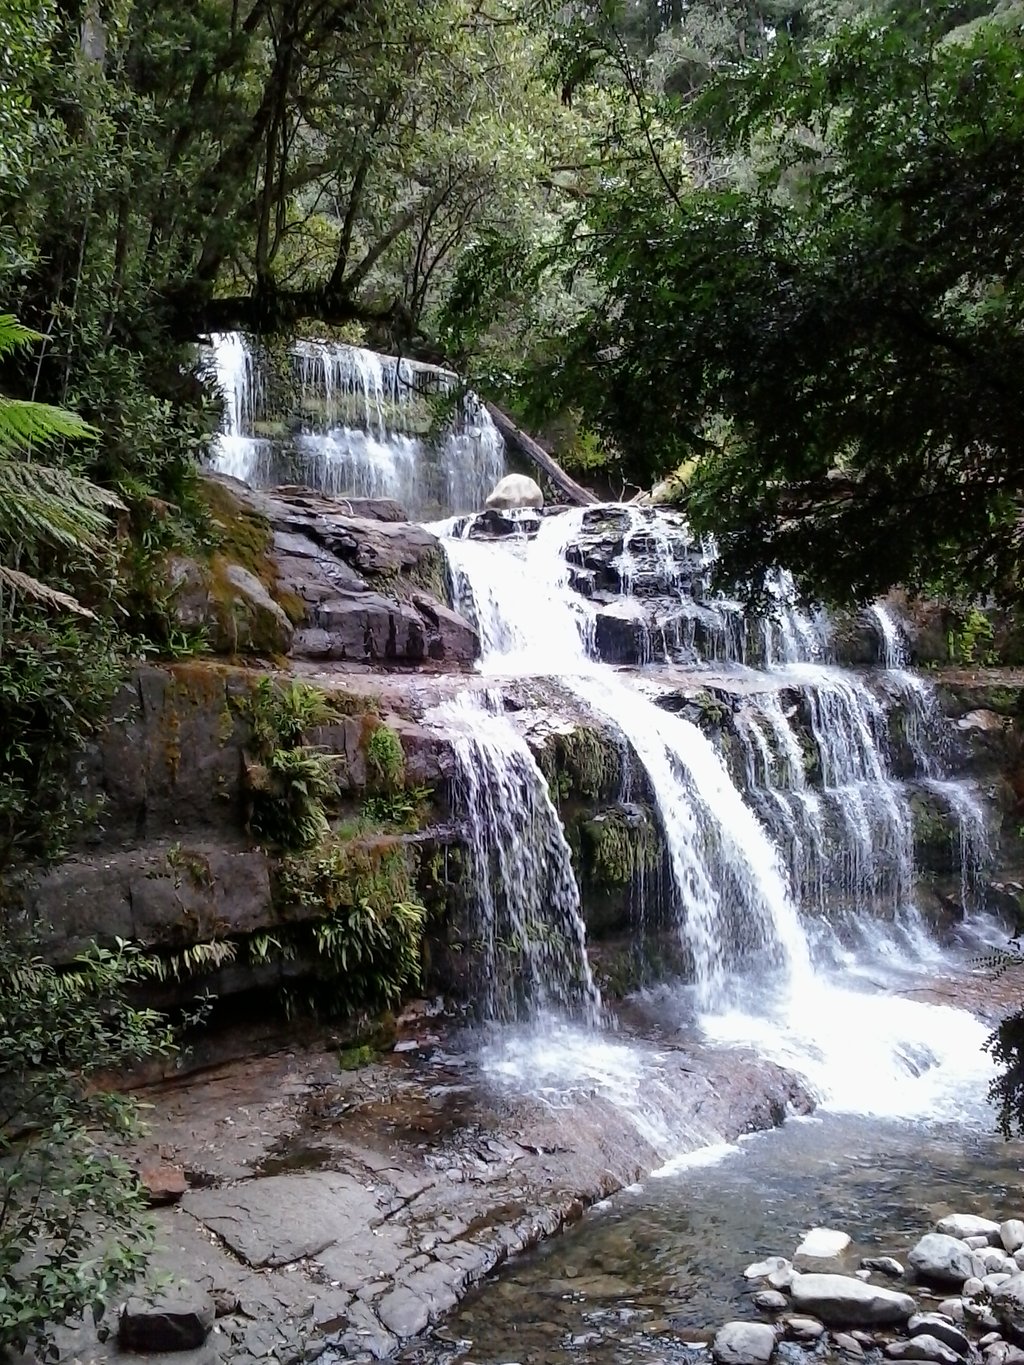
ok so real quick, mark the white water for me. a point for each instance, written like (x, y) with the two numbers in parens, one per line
(358, 429)
(758, 978)
(533, 939)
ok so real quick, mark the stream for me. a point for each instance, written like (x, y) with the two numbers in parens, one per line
(661, 1265)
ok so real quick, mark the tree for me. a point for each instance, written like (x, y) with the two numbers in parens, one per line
(851, 327)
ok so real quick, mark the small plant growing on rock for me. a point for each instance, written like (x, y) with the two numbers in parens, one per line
(385, 758)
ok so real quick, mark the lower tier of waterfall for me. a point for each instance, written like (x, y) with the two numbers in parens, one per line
(787, 830)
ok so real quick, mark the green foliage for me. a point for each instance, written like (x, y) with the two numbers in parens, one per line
(70, 1227)
(970, 641)
(371, 930)
(57, 680)
(289, 784)
(401, 809)
(852, 306)
(619, 847)
(385, 759)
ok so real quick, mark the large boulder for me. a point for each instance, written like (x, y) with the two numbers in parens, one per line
(516, 490)
(842, 1301)
(743, 1343)
(1008, 1307)
(943, 1260)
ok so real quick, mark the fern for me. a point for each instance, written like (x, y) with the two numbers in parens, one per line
(40, 504)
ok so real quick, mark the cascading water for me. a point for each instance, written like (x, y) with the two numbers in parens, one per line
(765, 891)
(533, 939)
(353, 424)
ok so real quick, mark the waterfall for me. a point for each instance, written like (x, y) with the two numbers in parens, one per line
(731, 901)
(532, 935)
(789, 854)
(351, 423)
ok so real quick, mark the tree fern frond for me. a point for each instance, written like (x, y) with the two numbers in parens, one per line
(24, 424)
(39, 503)
(28, 586)
(14, 335)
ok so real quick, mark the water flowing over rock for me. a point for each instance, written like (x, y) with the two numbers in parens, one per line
(347, 421)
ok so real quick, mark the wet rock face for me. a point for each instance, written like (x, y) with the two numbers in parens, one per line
(172, 1320)
(324, 579)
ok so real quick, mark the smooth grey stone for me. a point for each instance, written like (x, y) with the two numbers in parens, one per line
(942, 1259)
(843, 1301)
(804, 1329)
(924, 1347)
(952, 1309)
(760, 1270)
(933, 1324)
(743, 1343)
(845, 1342)
(1011, 1234)
(961, 1225)
(885, 1265)
(770, 1301)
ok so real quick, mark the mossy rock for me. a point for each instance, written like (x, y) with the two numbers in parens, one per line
(582, 763)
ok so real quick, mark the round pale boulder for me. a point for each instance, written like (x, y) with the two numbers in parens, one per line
(516, 490)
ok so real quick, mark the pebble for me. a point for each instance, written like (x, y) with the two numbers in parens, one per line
(952, 1309)
(864, 1275)
(1011, 1234)
(988, 1339)
(972, 1288)
(976, 1243)
(932, 1324)
(924, 1347)
(821, 1243)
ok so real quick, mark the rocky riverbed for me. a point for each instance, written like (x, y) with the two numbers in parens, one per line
(321, 1209)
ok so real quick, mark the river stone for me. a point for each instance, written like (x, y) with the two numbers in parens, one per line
(743, 1343)
(924, 1347)
(1008, 1307)
(783, 1277)
(760, 1270)
(989, 1339)
(770, 1301)
(933, 1324)
(1011, 1234)
(885, 1265)
(803, 1329)
(973, 1287)
(842, 1301)
(961, 1225)
(822, 1243)
(942, 1259)
(847, 1343)
(1003, 1353)
(995, 1280)
(976, 1243)
(1018, 1257)
(952, 1308)
(995, 1260)
(516, 490)
(174, 1320)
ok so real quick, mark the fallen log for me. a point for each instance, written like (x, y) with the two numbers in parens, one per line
(519, 441)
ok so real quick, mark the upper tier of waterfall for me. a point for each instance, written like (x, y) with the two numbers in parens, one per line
(351, 423)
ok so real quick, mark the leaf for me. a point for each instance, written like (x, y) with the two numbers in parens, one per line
(40, 592)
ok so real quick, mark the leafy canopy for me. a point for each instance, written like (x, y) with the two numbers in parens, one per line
(848, 323)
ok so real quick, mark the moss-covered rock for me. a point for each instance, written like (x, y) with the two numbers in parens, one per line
(582, 763)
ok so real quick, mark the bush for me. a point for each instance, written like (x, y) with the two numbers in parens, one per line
(70, 1224)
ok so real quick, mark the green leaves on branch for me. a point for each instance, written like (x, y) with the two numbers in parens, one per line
(70, 1209)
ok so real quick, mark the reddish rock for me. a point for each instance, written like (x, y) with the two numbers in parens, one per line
(164, 1184)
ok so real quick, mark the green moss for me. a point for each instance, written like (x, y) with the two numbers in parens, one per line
(243, 536)
(712, 713)
(430, 575)
(585, 762)
(616, 846)
(354, 1058)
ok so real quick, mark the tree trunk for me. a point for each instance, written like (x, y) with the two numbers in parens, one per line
(526, 445)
